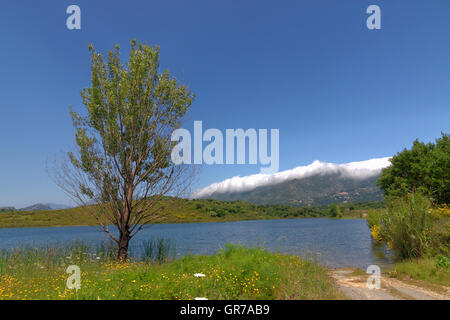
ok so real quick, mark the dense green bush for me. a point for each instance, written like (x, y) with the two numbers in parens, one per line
(412, 227)
(334, 211)
(373, 218)
(424, 168)
(440, 239)
(407, 225)
(442, 262)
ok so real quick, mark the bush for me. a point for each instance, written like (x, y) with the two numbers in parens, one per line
(218, 214)
(373, 218)
(334, 211)
(440, 240)
(424, 168)
(406, 225)
(442, 262)
(431, 270)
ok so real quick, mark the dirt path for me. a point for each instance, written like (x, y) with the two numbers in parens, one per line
(354, 286)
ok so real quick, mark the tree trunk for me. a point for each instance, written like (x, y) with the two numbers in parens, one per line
(124, 239)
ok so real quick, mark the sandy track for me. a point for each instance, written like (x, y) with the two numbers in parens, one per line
(355, 288)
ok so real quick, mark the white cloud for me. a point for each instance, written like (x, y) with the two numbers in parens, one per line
(355, 170)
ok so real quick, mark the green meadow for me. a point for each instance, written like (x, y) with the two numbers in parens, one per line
(233, 273)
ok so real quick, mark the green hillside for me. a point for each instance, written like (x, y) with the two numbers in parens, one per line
(182, 210)
(316, 190)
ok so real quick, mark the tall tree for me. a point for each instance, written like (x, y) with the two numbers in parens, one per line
(334, 211)
(424, 168)
(122, 166)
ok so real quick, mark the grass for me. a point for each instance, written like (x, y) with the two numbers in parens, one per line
(182, 210)
(424, 269)
(233, 273)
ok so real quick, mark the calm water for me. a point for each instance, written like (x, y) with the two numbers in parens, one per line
(335, 243)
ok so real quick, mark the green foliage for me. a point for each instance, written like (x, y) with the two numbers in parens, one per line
(26, 258)
(442, 262)
(373, 218)
(316, 190)
(334, 211)
(158, 250)
(440, 236)
(424, 168)
(132, 110)
(406, 225)
(124, 140)
(233, 273)
(411, 227)
(176, 210)
(429, 269)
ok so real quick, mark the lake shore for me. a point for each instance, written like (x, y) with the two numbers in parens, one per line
(334, 243)
(186, 211)
(236, 273)
(233, 273)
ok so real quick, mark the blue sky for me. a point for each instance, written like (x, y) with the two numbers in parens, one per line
(337, 91)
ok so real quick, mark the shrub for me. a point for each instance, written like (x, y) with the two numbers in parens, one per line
(372, 218)
(442, 262)
(334, 211)
(424, 168)
(406, 225)
(376, 233)
(440, 240)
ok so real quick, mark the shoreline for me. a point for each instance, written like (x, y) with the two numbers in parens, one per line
(234, 272)
(182, 222)
(175, 210)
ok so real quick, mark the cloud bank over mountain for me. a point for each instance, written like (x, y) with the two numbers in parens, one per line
(355, 170)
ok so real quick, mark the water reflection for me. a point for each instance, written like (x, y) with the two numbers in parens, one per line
(334, 243)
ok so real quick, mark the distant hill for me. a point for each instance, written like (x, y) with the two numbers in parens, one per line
(36, 207)
(56, 206)
(317, 190)
(7, 209)
(177, 210)
(44, 206)
(317, 184)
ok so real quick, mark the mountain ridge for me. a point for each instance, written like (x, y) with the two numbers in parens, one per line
(356, 170)
(36, 207)
(320, 189)
(319, 183)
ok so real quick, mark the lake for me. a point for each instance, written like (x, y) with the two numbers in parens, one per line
(334, 243)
